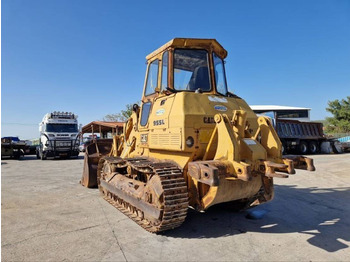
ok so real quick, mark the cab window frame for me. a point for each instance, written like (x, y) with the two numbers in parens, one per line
(208, 66)
(224, 73)
(164, 72)
(145, 113)
(148, 75)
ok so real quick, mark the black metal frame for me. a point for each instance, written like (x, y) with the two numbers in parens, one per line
(69, 150)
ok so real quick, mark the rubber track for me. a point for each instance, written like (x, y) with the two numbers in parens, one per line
(175, 197)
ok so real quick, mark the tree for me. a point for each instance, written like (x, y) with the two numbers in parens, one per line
(120, 117)
(340, 122)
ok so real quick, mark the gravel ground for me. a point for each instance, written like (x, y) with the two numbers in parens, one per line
(48, 216)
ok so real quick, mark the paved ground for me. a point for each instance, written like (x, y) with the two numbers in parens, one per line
(47, 215)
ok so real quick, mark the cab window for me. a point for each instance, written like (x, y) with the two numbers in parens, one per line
(152, 78)
(191, 70)
(220, 79)
(164, 71)
(146, 109)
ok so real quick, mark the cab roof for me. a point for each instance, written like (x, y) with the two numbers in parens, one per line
(191, 43)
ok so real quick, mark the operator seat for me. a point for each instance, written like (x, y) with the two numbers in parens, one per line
(200, 79)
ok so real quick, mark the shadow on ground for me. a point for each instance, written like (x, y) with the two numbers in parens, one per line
(321, 213)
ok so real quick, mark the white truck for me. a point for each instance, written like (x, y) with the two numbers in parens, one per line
(59, 136)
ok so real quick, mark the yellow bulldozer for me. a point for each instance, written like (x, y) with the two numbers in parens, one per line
(191, 143)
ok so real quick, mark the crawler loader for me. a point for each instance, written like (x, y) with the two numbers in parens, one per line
(191, 143)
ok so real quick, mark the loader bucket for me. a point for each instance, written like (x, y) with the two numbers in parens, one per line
(93, 153)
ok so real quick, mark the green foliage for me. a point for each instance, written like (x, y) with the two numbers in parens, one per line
(340, 122)
(120, 117)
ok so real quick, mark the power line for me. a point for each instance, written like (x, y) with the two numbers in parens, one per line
(19, 124)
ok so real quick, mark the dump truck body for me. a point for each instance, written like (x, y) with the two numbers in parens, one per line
(305, 137)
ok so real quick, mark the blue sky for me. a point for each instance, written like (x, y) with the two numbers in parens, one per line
(88, 57)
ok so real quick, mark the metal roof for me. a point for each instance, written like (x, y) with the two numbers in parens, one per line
(104, 125)
(191, 43)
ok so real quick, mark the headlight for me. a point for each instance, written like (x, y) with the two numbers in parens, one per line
(189, 141)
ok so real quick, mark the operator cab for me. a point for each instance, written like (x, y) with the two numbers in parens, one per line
(186, 65)
(192, 71)
(183, 65)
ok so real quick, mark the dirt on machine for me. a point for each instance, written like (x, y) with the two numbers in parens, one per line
(191, 143)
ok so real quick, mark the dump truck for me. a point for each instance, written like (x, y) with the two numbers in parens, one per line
(191, 143)
(303, 137)
(59, 136)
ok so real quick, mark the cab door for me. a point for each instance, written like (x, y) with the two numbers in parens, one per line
(156, 81)
(151, 90)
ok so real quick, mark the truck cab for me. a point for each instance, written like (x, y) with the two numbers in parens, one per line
(59, 136)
